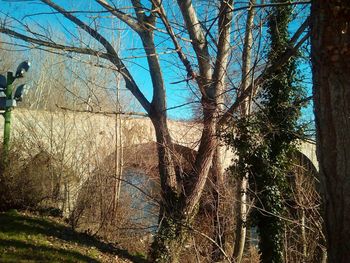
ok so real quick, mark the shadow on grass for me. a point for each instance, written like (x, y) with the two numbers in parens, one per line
(15, 224)
(18, 250)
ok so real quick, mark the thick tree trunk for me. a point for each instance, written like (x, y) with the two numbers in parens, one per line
(331, 71)
(180, 195)
(171, 233)
(169, 241)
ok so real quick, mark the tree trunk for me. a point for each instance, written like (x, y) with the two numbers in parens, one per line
(180, 195)
(171, 234)
(241, 228)
(171, 237)
(331, 88)
(221, 213)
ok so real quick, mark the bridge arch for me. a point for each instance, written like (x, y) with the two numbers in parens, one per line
(308, 149)
(99, 131)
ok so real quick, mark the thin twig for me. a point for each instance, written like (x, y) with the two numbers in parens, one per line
(130, 113)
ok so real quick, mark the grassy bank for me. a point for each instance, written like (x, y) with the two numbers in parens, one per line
(29, 238)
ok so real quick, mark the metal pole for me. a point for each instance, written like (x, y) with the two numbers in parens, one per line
(7, 116)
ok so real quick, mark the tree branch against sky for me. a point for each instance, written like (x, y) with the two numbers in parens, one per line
(130, 20)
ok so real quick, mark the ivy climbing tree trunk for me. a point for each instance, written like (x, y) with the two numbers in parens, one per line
(265, 140)
(278, 126)
(331, 89)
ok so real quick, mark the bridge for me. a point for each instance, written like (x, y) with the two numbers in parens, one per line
(83, 143)
(89, 138)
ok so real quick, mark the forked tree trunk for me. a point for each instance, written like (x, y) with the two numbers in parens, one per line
(180, 196)
(170, 236)
(331, 88)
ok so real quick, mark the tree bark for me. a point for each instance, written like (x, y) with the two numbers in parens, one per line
(330, 51)
(172, 229)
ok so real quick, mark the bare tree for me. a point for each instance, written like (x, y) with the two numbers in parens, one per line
(180, 192)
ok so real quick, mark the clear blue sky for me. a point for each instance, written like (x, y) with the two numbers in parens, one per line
(131, 46)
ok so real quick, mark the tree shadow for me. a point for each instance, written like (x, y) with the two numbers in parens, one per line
(18, 250)
(14, 224)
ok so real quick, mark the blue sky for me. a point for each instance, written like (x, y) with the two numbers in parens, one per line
(172, 68)
(177, 94)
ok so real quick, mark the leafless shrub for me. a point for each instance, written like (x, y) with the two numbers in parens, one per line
(305, 241)
(30, 181)
(133, 222)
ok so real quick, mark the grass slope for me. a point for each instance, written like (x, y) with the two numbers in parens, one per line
(28, 238)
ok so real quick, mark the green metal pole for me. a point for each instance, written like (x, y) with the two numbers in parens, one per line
(7, 117)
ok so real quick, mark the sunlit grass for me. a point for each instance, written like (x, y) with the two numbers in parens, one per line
(28, 238)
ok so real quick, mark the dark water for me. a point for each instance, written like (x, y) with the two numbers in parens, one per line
(141, 191)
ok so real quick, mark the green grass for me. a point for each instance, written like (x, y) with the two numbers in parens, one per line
(28, 238)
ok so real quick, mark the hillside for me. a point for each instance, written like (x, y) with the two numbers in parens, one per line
(29, 238)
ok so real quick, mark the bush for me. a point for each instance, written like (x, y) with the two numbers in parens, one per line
(30, 182)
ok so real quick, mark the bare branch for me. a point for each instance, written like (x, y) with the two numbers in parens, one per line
(129, 113)
(212, 241)
(272, 68)
(127, 19)
(300, 31)
(161, 11)
(147, 37)
(199, 41)
(246, 57)
(140, 12)
(272, 4)
(83, 26)
(111, 53)
(86, 51)
(225, 20)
